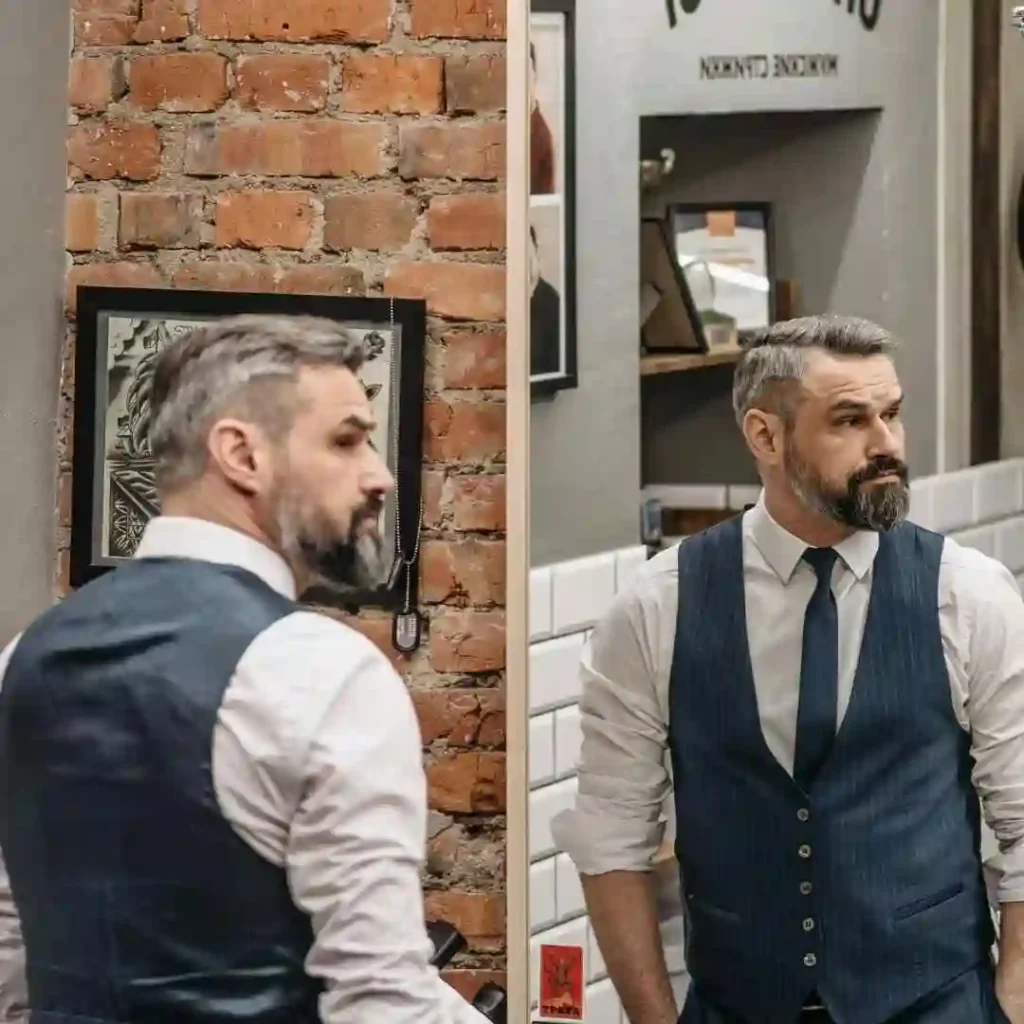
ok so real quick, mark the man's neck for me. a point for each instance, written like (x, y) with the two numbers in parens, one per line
(813, 528)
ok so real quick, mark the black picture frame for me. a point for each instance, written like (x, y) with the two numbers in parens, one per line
(674, 325)
(553, 372)
(762, 209)
(93, 483)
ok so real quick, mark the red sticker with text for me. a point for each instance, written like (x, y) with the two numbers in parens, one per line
(561, 983)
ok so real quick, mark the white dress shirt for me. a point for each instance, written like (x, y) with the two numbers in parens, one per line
(620, 814)
(317, 765)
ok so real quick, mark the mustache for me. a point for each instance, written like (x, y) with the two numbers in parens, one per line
(370, 509)
(884, 465)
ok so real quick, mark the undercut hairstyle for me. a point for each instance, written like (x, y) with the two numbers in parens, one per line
(774, 361)
(244, 366)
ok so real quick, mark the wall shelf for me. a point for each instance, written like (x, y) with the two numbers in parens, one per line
(681, 362)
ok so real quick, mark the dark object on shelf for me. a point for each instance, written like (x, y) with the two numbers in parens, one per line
(673, 323)
(120, 332)
(491, 1000)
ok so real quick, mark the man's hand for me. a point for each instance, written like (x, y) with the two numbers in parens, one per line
(1010, 969)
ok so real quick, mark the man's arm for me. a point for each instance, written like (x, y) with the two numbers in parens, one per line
(615, 829)
(990, 627)
(13, 987)
(355, 849)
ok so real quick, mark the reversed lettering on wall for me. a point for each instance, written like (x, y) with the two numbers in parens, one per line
(769, 65)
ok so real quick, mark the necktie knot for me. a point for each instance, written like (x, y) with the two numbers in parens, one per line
(822, 561)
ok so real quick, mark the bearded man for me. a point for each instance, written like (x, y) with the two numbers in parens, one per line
(835, 688)
(213, 803)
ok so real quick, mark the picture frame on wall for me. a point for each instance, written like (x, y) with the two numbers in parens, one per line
(553, 362)
(726, 254)
(120, 333)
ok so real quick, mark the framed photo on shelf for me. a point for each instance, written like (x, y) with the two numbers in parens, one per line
(669, 319)
(726, 254)
(552, 196)
(120, 333)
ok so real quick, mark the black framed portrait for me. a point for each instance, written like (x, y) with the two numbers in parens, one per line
(120, 333)
(552, 196)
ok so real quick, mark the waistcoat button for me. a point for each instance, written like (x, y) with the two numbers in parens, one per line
(805, 888)
(808, 924)
(804, 851)
(803, 814)
(810, 960)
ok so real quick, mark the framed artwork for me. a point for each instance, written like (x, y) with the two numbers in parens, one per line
(725, 252)
(120, 332)
(552, 196)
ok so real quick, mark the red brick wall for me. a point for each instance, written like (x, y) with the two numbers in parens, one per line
(349, 147)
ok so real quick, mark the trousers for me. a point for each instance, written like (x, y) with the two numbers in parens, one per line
(968, 999)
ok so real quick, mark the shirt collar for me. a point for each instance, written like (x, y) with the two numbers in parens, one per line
(185, 537)
(783, 551)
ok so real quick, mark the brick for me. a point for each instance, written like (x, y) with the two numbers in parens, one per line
(178, 82)
(461, 151)
(480, 917)
(213, 275)
(471, 783)
(152, 220)
(464, 572)
(475, 85)
(464, 431)
(477, 502)
(380, 221)
(458, 19)
(469, 220)
(347, 21)
(256, 220)
(314, 148)
(114, 149)
(129, 8)
(282, 81)
(392, 83)
(82, 222)
(162, 21)
(111, 275)
(94, 83)
(322, 279)
(104, 30)
(472, 359)
(462, 291)
(461, 718)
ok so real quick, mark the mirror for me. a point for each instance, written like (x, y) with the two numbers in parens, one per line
(732, 169)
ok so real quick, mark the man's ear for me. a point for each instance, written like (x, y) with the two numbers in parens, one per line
(765, 436)
(241, 454)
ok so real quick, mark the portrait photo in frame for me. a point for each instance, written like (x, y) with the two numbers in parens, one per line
(120, 333)
(552, 196)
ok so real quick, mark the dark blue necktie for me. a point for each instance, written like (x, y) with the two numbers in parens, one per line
(819, 673)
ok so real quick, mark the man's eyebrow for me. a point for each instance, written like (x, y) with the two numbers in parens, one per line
(363, 423)
(849, 405)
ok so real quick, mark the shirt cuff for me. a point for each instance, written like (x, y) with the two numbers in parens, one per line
(596, 849)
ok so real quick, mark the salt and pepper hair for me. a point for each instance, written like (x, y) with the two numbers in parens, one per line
(774, 360)
(240, 365)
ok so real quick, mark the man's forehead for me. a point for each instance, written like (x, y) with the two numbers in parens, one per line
(860, 378)
(335, 391)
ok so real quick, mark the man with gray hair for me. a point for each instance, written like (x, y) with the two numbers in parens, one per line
(834, 689)
(214, 803)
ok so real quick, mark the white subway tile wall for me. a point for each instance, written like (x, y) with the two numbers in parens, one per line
(982, 507)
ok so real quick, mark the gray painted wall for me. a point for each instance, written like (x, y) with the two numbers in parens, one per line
(33, 120)
(585, 444)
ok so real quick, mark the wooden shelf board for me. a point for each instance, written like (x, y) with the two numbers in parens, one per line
(679, 362)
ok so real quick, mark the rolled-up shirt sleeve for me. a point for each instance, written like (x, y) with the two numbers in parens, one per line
(991, 615)
(616, 824)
